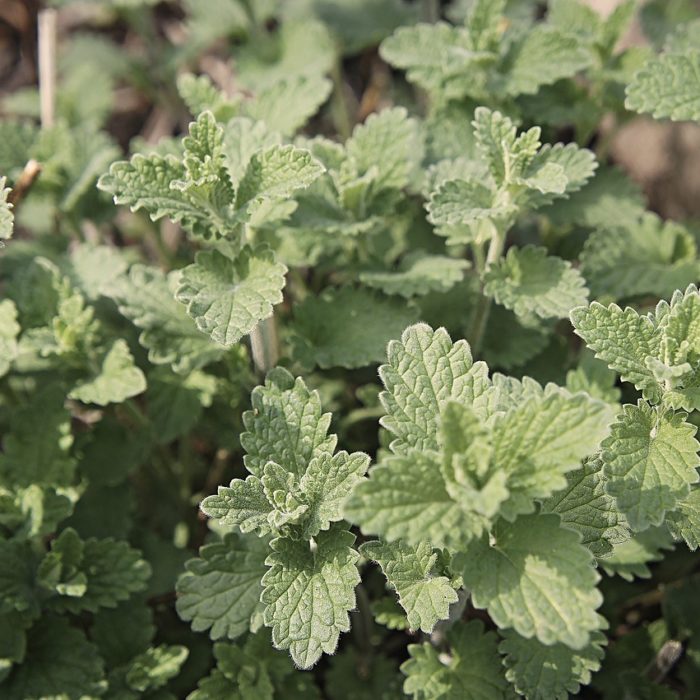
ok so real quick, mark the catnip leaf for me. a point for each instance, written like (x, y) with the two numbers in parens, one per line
(585, 506)
(7, 218)
(146, 298)
(534, 576)
(473, 672)
(286, 425)
(425, 597)
(59, 663)
(94, 268)
(9, 330)
(308, 592)
(630, 558)
(155, 667)
(667, 86)
(539, 441)
(528, 281)
(406, 498)
(622, 339)
(227, 297)
(424, 371)
(243, 503)
(646, 256)
(286, 105)
(17, 578)
(464, 202)
(390, 143)
(684, 523)
(220, 590)
(650, 461)
(348, 327)
(544, 56)
(541, 672)
(418, 274)
(277, 172)
(326, 485)
(116, 380)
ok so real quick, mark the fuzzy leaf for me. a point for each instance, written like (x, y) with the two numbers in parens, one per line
(117, 379)
(544, 56)
(286, 425)
(684, 523)
(220, 590)
(541, 672)
(622, 339)
(528, 281)
(668, 86)
(629, 559)
(535, 577)
(586, 507)
(348, 327)
(227, 297)
(473, 671)
(424, 371)
(308, 593)
(146, 298)
(650, 460)
(9, 330)
(417, 275)
(155, 667)
(425, 597)
(406, 498)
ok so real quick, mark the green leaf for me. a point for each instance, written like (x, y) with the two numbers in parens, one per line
(667, 86)
(418, 274)
(277, 172)
(123, 632)
(308, 593)
(227, 297)
(348, 327)
(622, 339)
(388, 145)
(424, 371)
(9, 330)
(528, 281)
(155, 667)
(647, 256)
(243, 504)
(406, 498)
(146, 298)
(629, 559)
(535, 576)
(17, 578)
(650, 461)
(6, 216)
(537, 442)
(684, 523)
(326, 485)
(585, 506)
(59, 663)
(95, 268)
(220, 590)
(473, 670)
(286, 425)
(542, 57)
(288, 104)
(465, 202)
(541, 672)
(115, 380)
(425, 597)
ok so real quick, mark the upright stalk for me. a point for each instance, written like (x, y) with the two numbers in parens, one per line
(264, 345)
(483, 309)
(47, 66)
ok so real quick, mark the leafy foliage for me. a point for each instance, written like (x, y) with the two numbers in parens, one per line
(206, 491)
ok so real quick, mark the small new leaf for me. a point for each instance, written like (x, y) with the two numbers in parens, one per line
(425, 597)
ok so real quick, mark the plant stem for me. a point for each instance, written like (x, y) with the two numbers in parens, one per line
(483, 309)
(431, 10)
(342, 116)
(264, 345)
(47, 66)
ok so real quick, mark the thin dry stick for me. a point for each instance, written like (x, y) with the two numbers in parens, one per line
(24, 182)
(47, 66)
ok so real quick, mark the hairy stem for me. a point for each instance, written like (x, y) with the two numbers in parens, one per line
(264, 345)
(483, 310)
(47, 66)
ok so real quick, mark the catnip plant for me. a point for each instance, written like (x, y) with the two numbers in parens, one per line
(365, 372)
